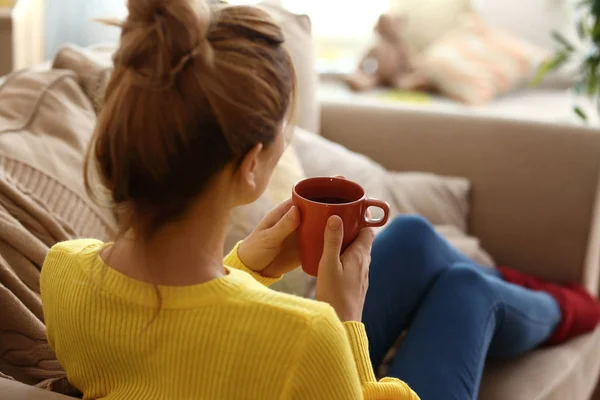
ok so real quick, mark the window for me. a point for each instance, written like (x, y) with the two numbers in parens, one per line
(342, 29)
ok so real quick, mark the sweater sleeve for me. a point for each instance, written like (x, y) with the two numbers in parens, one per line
(232, 260)
(334, 364)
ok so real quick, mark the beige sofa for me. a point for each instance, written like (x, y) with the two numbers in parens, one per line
(534, 206)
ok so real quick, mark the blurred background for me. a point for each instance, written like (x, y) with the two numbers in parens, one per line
(342, 29)
(447, 52)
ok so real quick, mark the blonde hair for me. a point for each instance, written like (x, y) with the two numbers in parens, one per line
(194, 88)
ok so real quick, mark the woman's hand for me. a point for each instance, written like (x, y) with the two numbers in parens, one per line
(272, 248)
(343, 281)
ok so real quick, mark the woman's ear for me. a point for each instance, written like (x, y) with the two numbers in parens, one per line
(248, 169)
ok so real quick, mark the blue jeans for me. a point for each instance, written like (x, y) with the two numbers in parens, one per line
(457, 312)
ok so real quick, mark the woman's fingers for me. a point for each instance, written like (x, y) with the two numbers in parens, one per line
(343, 282)
(284, 227)
(275, 215)
(332, 245)
(360, 248)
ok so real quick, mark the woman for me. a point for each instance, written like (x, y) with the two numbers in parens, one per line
(192, 127)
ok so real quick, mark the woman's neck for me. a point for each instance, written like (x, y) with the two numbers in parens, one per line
(186, 252)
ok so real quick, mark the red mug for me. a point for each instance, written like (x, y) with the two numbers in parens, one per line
(319, 198)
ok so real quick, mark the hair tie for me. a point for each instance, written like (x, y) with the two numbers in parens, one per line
(204, 51)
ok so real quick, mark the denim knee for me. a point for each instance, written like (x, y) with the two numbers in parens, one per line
(462, 281)
(410, 237)
(410, 225)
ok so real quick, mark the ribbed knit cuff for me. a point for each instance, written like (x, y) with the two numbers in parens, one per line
(232, 260)
(360, 349)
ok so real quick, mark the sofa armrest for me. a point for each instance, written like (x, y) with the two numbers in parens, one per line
(535, 186)
(18, 391)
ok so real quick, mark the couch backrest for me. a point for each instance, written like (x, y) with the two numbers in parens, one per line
(535, 186)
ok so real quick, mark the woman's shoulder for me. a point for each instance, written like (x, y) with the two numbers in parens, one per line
(74, 247)
(64, 264)
(66, 253)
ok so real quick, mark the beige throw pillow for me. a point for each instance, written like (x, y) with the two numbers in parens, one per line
(92, 69)
(287, 173)
(244, 219)
(242, 222)
(299, 43)
(444, 201)
(46, 122)
(475, 62)
(429, 20)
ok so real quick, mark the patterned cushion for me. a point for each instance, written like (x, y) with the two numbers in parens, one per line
(475, 62)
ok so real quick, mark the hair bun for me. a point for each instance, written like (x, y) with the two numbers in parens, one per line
(160, 141)
(159, 34)
(147, 10)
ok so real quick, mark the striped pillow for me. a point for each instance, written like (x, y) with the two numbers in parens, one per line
(475, 63)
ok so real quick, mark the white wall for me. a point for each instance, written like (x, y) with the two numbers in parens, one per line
(533, 20)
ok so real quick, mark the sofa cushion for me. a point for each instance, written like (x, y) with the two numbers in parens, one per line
(244, 219)
(442, 200)
(287, 172)
(45, 124)
(18, 391)
(429, 20)
(242, 222)
(540, 20)
(558, 373)
(568, 371)
(475, 62)
(299, 42)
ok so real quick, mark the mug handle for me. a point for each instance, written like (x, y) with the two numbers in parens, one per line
(375, 223)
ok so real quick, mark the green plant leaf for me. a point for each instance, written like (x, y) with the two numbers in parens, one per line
(550, 64)
(592, 85)
(563, 41)
(592, 78)
(540, 73)
(596, 30)
(580, 113)
(595, 7)
(582, 29)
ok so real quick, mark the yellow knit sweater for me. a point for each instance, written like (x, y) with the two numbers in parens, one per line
(230, 338)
